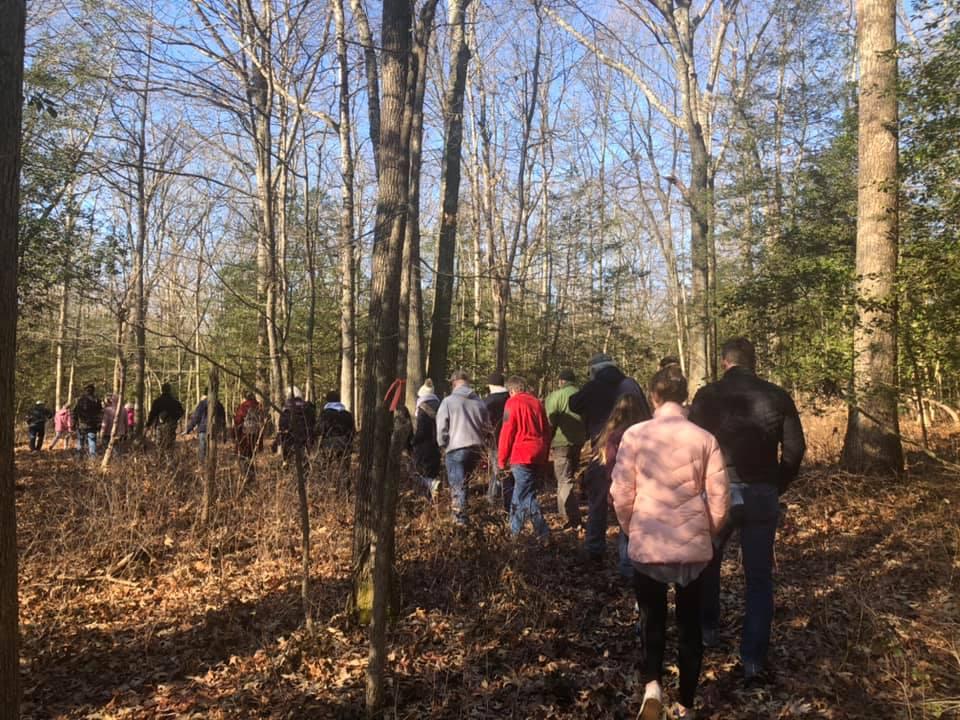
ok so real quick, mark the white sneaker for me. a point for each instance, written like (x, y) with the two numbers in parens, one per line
(434, 489)
(652, 705)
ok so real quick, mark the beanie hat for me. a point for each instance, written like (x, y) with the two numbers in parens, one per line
(496, 378)
(568, 375)
(599, 361)
(426, 388)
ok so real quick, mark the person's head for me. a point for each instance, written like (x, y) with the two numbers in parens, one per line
(333, 396)
(90, 389)
(458, 378)
(294, 392)
(39, 403)
(165, 389)
(669, 360)
(628, 410)
(496, 379)
(738, 352)
(567, 376)
(516, 384)
(425, 389)
(250, 396)
(668, 385)
(598, 362)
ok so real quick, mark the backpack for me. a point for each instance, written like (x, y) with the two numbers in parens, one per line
(252, 422)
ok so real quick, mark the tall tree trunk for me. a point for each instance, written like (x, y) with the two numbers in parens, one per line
(449, 192)
(348, 308)
(61, 342)
(139, 256)
(872, 441)
(12, 19)
(410, 368)
(376, 487)
(373, 77)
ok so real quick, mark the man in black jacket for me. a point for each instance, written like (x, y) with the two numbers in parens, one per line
(594, 402)
(36, 424)
(87, 414)
(165, 413)
(759, 431)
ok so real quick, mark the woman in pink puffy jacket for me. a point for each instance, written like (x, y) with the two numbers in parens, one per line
(671, 495)
(62, 426)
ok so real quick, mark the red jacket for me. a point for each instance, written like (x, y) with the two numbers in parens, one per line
(525, 435)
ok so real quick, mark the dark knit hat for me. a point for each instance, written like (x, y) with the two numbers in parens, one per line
(568, 375)
(496, 378)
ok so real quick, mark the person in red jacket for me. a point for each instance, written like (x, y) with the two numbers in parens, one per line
(524, 446)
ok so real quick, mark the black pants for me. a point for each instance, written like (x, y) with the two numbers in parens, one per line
(652, 599)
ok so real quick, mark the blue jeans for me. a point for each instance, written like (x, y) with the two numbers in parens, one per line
(758, 530)
(524, 501)
(90, 437)
(460, 465)
(597, 485)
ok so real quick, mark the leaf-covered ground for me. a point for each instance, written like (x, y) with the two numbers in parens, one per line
(130, 610)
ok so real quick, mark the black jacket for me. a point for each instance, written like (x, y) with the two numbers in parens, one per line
(38, 416)
(756, 424)
(298, 421)
(87, 413)
(495, 403)
(166, 409)
(594, 401)
(426, 453)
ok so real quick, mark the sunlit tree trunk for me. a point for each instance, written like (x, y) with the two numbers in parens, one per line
(12, 18)
(872, 441)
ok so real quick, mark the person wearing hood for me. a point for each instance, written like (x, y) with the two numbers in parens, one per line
(111, 410)
(36, 424)
(62, 426)
(423, 443)
(594, 402)
(463, 431)
(335, 426)
(198, 420)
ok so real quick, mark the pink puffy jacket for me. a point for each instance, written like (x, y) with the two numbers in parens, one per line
(663, 467)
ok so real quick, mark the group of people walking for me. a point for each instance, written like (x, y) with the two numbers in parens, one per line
(681, 479)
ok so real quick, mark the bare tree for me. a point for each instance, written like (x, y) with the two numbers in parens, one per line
(872, 441)
(12, 23)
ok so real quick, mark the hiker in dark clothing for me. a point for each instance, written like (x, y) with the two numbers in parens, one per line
(87, 415)
(165, 413)
(36, 424)
(758, 428)
(594, 402)
(501, 481)
(248, 422)
(423, 443)
(198, 420)
(296, 427)
(335, 427)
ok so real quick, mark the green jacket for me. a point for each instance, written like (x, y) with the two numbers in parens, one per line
(568, 428)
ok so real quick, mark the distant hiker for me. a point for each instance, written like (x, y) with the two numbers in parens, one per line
(629, 410)
(296, 427)
(248, 424)
(165, 413)
(335, 427)
(426, 453)
(62, 426)
(131, 411)
(670, 492)
(198, 420)
(36, 425)
(759, 431)
(87, 412)
(110, 407)
(523, 448)
(463, 430)
(593, 402)
(569, 435)
(669, 360)
(495, 401)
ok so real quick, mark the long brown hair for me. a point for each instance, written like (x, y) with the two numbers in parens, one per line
(628, 411)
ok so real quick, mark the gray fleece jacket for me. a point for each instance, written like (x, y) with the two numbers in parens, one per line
(462, 420)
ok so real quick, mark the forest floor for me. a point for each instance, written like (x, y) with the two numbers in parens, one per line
(130, 610)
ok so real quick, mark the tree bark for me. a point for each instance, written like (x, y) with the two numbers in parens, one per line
(373, 78)
(373, 536)
(210, 471)
(12, 20)
(872, 441)
(449, 192)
